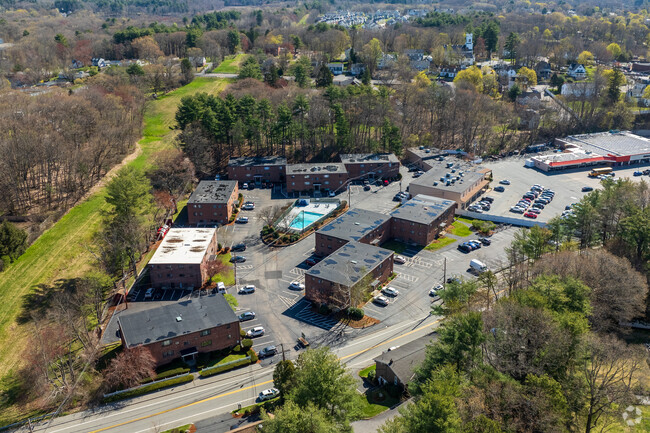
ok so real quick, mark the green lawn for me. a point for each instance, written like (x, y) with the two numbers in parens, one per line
(182, 429)
(439, 243)
(62, 251)
(460, 229)
(303, 20)
(465, 220)
(371, 404)
(367, 370)
(218, 359)
(227, 277)
(396, 246)
(230, 64)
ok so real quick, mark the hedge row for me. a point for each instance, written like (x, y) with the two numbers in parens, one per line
(221, 368)
(149, 388)
(169, 373)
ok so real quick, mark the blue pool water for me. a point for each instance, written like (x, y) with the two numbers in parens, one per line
(304, 219)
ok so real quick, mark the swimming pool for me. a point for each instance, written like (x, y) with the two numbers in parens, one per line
(305, 219)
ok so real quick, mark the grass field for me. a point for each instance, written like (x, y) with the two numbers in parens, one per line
(228, 277)
(460, 229)
(230, 64)
(303, 20)
(371, 404)
(62, 251)
(398, 247)
(439, 243)
(367, 370)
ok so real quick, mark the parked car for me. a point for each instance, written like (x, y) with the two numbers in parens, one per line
(535, 211)
(499, 189)
(538, 206)
(485, 241)
(245, 186)
(476, 244)
(249, 205)
(366, 187)
(530, 215)
(465, 248)
(149, 293)
(380, 300)
(238, 247)
(434, 291)
(516, 209)
(488, 199)
(248, 315)
(504, 182)
(331, 194)
(257, 331)
(386, 182)
(453, 280)
(251, 186)
(390, 291)
(418, 173)
(399, 259)
(296, 285)
(237, 259)
(269, 394)
(248, 288)
(587, 189)
(638, 173)
(242, 220)
(267, 351)
(312, 261)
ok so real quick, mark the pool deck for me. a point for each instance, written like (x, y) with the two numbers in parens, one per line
(314, 207)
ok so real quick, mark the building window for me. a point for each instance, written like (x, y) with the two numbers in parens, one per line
(198, 206)
(166, 343)
(205, 332)
(168, 354)
(206, 343)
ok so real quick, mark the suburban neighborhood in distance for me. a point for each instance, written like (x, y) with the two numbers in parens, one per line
(319, 217)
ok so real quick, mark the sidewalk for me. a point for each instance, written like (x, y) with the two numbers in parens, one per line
(372, 425)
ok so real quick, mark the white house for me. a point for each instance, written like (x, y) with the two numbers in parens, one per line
(577, 71)
(198, 62)
(335, 68)
(635, 92)
(578, 90)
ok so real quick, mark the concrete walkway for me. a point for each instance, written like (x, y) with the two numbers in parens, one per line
(372, 425)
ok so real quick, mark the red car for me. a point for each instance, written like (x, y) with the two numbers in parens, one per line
(530, 215)
(312, 261)
(385, 182)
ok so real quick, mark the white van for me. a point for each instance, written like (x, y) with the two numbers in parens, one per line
(221, 287)
(478, 265)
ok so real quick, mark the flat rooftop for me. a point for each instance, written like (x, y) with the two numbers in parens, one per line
(461, 179)
(213, 191)
(244, 161)
(350, 263)
(576, 156)
(173, 320)
(324, 168)
(427, 152)
(615, 143)
(423, 209)
(367, 158)
(354, 224)
(183, 246)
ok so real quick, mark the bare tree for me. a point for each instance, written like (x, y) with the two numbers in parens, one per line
(129, 368)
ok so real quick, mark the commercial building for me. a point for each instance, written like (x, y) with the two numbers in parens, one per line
(613, 148)
(308, 178)
(419, 220)
(356, 225)
(456, 181)
(183, 257)
(213, 201)
(257, 169)
(371, 166)
(423, 158)
(181, 330)
(344, 277)
(397, 366)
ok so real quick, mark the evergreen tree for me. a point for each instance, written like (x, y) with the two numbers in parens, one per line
(324, 77)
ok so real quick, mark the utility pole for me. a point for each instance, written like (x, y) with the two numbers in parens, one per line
(235, 271)
(282, 347)
(444, 273)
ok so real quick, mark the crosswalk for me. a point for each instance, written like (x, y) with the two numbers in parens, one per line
(297, 271)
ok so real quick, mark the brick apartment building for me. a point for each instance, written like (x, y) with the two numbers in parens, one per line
(182, 258)
(308, 178)
(419, 220)
(257, 169)
(336, 279)
(213, 201)
(181, 330)
(358, 225)
(461, 183)
(371, 166)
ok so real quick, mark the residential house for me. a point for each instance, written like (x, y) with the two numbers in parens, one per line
(577, 71)
(357, 69)
(420, 219)
(183, 258)
(181, 330)
(335, 68)
(543, 70)
(213, 202)
(257, 169)
(414, 55)
(397, 365)
(449, 73)
(76, 64)
(386, 61)
(198, 62)
(421, 65)
(344, 80)
(465, 51)
(98, 62)
(640, 67)
(332, 280)
(635, 92)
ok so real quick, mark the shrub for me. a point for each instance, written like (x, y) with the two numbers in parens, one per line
(371, 375)
(149, 388)
(219, 246)
(242, 333)
(323, 309)
(355, 313)
(484, 227)
(236, 349)
(206, 372)
(247, 343)
(166, 374)
(253, 355)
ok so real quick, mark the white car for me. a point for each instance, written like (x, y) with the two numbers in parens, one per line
(400, 259)
(249, 288)
(390, 291)
(242, 220)
(381, 300)
(296, 285)
(504, 182)
(269, 394)
(249, 205)
(257, 331)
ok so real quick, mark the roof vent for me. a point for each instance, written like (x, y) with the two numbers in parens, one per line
(179, 319)
(356, 223)
(354, 262)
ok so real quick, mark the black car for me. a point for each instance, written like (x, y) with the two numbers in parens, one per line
(587, 189)
(464, 248)
(485, 241)
(499, 189)
(452, 279)
(239, 247)
(366, 187)
(488, 199)
(237, 259)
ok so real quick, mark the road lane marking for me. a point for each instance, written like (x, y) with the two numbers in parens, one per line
(214, 397)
